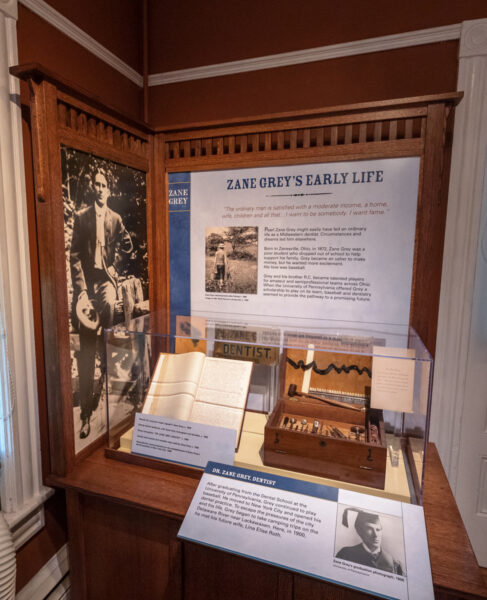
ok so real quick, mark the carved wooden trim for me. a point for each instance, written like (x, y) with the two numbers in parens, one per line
(339, 133)
(294, 137)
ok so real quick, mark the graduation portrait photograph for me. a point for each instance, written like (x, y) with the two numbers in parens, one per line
(371, 539)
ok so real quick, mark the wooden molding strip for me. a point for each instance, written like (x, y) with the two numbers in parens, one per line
(57, 20)
(284, 59)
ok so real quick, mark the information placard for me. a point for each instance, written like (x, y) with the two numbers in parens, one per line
(364, 542)
(282, 242)
(182, 442)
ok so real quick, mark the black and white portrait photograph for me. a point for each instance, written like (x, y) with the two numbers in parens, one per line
(231, 260)
(371, 539)
(107, 274)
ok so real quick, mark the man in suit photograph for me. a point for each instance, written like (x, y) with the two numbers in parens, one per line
(99, 235)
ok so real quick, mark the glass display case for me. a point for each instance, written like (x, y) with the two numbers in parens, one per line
(345, 406)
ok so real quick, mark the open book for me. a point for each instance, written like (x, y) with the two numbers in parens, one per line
(199, 388)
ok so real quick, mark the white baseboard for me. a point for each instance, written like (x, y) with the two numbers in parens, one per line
(48, 578)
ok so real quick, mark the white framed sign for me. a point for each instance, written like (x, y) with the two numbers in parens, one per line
(295, 243)
(371, 544)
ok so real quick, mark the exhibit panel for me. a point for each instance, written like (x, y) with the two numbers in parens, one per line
(133, 512)
(93, 213)
(74, 136)
(295, 244)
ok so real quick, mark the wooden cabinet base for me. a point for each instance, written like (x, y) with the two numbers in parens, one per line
(123, 521)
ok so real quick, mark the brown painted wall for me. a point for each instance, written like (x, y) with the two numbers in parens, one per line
(401, 73)
(42, 43)
(194, 33)
(114, 23)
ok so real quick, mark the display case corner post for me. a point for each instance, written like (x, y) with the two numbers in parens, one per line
(52, 269)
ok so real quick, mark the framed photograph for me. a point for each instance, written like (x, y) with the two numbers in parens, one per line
(231, 260)
(105, 234)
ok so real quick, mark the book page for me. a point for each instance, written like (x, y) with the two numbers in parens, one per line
(174, 384)
(219, 398)
(177, 406)
(181, 368)
(168, 389)
(224, 382)
(219, 416)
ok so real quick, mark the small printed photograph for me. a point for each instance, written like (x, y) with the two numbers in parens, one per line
(105, 237)
(371, 539)
(231, 260)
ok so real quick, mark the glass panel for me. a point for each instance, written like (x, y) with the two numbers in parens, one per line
(347, 406)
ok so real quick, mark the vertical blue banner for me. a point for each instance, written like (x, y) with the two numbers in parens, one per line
(179, 245)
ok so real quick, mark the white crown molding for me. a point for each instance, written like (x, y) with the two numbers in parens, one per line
(57, 20)
(285, 59)
(47, 578)
(9, 8)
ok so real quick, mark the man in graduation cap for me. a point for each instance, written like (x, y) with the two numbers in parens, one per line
(370, 551)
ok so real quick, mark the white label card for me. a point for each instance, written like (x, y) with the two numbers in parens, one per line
(393, 379)
(182, 442)
(352, 539)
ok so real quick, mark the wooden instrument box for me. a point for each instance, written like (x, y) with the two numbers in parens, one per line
(312, 445)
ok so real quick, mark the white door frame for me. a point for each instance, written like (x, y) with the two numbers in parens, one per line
(462, 238)
(22, 493)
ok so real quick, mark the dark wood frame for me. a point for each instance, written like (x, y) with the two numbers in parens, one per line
(64, 114)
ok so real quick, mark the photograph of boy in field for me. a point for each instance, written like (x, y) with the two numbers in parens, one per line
(231, 260)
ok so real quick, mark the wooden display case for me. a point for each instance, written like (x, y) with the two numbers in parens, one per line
(63, 115)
